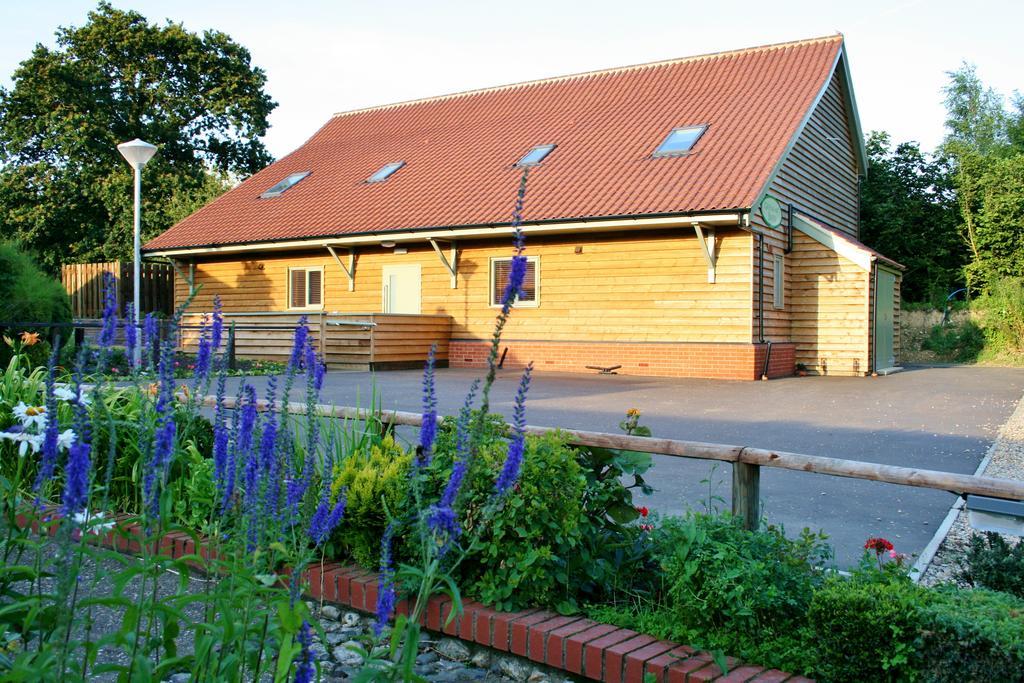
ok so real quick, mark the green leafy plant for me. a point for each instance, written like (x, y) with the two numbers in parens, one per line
(521, 558)
(957, 343)
(865, 630)
(971, 635)
(991, 562)
(374, 480)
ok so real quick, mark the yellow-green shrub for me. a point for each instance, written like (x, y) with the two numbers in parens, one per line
(371, 479)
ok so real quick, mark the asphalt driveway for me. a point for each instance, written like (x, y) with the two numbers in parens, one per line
(933, 418)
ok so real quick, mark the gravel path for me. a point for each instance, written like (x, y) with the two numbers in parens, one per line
(1007, 461)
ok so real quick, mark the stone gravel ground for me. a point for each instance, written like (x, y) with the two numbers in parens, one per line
(446, 660)
(1007, 461)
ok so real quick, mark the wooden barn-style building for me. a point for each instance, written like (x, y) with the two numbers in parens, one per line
(696, 217)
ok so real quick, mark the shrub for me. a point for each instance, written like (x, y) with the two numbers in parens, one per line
(957, 343)
(1003, 310)
(372, 478)
(993, 563)
(614, 553)
(522, 556)
(972, 635)
(865, 630)
(719, 575)
(27, 294)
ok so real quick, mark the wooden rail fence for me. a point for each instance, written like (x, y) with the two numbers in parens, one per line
(747, 461)
(84, 284)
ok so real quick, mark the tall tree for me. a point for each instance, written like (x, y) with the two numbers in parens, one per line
(909, 212)
(985, 140)
(65, 192)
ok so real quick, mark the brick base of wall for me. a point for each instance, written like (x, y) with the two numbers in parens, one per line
(707, 360)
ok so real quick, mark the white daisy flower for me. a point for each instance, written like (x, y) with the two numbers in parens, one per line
(66, 438)
(94, 521)
(30, 415)
(64, 392)
(24, 440)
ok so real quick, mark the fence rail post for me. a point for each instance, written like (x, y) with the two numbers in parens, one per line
(746, 494)
(230, 348)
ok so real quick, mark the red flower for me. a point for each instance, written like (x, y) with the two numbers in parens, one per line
(879, 545)
(643, 511)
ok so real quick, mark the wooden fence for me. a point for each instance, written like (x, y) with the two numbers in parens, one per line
(349, 341)
(747, 461)
(84, 283)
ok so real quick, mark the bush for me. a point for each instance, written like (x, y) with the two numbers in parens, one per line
(27, 294)
(993, 563)
(956, 343)
(1002, 309)
(719, 575)
(372, 478)
(865, 630)
(522, 556)
(972, 635)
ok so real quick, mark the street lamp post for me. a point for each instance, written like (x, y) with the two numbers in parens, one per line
(137, 153)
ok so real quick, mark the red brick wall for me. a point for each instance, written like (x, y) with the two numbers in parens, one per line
(713, 361)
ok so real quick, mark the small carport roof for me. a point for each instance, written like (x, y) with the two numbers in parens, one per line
(459, 151)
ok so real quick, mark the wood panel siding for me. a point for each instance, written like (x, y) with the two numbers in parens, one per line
(649, 286)
(829, 306)
(820, 177)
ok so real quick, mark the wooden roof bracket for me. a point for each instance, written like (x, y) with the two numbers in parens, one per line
(350, 270)
(450, 262)
(707, 247)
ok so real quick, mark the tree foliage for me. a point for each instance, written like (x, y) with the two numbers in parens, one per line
(985, 140)
(65, 192)
(909, 213)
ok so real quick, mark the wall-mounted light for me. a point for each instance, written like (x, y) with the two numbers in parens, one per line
(387, 245)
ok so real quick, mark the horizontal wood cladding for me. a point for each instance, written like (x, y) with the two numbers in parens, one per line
(649, 286)
(829, 305)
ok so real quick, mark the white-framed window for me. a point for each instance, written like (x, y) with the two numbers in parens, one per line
(306, 288)
(500, 269)
(779, 282)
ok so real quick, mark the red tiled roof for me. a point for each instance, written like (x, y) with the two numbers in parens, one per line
(460, 151)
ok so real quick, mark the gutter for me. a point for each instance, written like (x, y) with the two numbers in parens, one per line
(731, 219)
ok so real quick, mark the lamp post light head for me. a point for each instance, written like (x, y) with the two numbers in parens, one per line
(136, 152)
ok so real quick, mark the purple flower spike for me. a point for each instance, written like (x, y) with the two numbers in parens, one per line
(299, 346)
(325, 518)
(217, 326)
(131, 333)
(305, 671)
(76, 488)
(428, 430)
(109, 331)
(386, 585)
(150, 339)
(514, 460)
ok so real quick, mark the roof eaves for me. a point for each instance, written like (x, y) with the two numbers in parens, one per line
(594, 221)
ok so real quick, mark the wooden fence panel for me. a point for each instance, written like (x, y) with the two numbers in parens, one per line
(84, 284)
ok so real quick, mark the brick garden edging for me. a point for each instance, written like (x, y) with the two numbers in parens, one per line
(576, 645)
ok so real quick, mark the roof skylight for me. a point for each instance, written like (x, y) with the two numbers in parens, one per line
(284, 185)
(535, 155)
(680, 141)
(385, 172)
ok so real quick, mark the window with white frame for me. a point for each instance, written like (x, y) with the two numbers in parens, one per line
(306, 288)
(530, 294)
(779, 282)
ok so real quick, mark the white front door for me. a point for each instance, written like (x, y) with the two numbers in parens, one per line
(401, 292)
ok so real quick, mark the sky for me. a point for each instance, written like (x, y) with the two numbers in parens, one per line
(324, 56)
